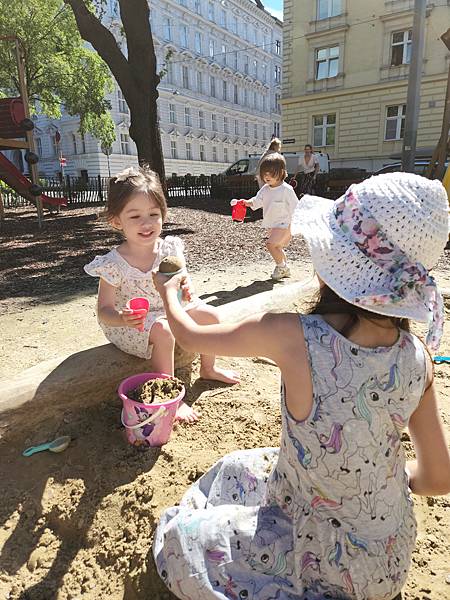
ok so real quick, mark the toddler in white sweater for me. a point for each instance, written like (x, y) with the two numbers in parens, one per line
(278, 201)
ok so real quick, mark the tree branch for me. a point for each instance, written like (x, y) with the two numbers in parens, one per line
(104, 42)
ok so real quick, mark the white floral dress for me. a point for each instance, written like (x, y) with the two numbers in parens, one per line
(130, 283)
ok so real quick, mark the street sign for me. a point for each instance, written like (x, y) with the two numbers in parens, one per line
(63, 161)
(289, 141)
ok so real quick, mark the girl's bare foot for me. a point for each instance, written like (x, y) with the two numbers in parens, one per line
(186, 413)
(217, 374)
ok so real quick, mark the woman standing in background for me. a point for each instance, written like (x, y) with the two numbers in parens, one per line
(309, 167)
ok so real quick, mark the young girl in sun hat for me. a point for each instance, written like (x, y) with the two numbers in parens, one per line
(329, 513)
(137, 208)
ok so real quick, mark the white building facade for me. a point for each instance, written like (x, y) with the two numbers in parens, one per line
(219, 99)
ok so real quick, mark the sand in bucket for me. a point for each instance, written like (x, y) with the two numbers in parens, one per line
(148, 424)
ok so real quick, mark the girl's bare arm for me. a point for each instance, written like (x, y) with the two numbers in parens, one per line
(430, 473)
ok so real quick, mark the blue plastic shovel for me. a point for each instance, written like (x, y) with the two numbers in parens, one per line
(58, 445)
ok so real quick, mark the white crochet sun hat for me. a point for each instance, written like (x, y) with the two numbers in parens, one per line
(375, 245)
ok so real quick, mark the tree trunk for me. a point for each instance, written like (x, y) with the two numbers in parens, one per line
(136, 75)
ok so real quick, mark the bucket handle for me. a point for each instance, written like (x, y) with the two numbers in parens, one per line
(150, 419)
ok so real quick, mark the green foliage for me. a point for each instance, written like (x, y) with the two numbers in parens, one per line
(60, 69)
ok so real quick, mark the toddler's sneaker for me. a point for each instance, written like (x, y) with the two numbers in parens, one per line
(281, 272)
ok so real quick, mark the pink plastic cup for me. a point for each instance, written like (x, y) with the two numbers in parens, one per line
(147, 424)
(139, 306)
(239, 211)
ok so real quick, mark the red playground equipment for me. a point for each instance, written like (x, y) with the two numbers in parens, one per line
(16, 131)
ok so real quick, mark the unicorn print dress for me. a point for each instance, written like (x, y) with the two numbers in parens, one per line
(326, 515)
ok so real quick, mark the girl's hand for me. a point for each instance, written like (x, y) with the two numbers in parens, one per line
(163, 283)
(132, 320)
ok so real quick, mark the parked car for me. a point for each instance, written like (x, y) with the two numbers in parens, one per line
(420, 167)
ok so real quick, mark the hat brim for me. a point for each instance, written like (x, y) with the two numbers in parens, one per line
(342, 266)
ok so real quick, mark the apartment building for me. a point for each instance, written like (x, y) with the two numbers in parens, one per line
(218, 101)
(345, 77)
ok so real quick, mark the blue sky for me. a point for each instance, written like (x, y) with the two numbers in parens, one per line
(275, 7)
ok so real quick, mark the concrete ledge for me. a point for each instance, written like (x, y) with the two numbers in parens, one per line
(52, 387)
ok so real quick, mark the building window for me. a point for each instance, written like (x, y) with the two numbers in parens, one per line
(198, 42)
(185, 73)
(236, 127)
(173, 149)
(277, 74)
(212, 48)
(83, 144)
(198, 7)
(277, 103)
(245, 31)
(224, 54)
(226, 126)
(246, 128)
(395, 122)
(214, 153)
(327, 62)
(255, 68)
(324, 130)
(125, 143)
(223, 18)
(210, 11)
(54, 146)
(245, 97)
(328, 8)
(224, 90)
(264, 73)
(170, 76)
(264, 133)
(201, 119)
(235, 94)
(39, 147)
(184, 36)
(236, 154)
(225, 155)
(401, 48)
(235, 60)
(214, 122)
(188, 151)
(212, 83)
(264, 103)
(255, 100)
(172, 113)
(246, 65)
(123, 106)
(255, 131)
(74, 143)
(167, 29)
(200, 82)
(187, 116)
(278, 47)
(234, 24)
(202, 152)
(276, 129)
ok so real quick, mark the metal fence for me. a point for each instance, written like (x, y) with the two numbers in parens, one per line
(81, 191)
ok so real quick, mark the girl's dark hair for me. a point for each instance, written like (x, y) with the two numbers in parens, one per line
(328, 302)
(273, 164)
(131, 181)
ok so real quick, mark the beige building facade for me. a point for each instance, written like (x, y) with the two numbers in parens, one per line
(345, 77)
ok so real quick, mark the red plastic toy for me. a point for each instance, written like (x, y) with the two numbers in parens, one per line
(239, 211)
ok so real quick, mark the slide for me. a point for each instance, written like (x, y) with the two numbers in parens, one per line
(21, 184)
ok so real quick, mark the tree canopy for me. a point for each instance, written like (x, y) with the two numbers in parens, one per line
(60, 68)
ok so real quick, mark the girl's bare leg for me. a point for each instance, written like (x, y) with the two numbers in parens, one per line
(162, 362)
(275, 244)
(207, 315)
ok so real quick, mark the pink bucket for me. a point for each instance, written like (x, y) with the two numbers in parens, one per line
(147, 424)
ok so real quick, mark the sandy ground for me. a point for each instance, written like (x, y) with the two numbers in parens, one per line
(80, 524)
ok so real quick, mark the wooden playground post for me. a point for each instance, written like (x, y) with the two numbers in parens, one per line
(29, 134)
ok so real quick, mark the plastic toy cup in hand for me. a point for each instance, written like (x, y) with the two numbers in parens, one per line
(139, 306)
(239, 210)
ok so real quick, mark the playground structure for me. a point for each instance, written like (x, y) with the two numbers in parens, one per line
(16, 132)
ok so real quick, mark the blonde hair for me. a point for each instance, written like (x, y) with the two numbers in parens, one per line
(274, 146)
(131, 181)
(273, 164)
